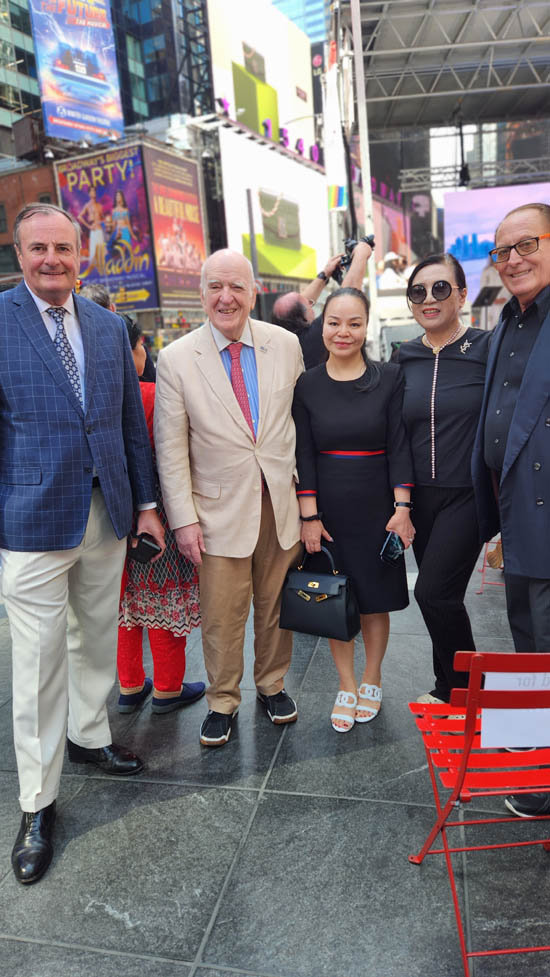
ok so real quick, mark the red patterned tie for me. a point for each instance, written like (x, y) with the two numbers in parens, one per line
(238, 384)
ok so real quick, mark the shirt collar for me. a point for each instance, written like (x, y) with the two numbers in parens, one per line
(540, 306)
(43, 306)
(222, 342)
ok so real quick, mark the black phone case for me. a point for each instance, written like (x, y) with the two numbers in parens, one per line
(144, 551)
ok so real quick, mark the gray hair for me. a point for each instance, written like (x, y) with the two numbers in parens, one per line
(96, 292)
(29, 210)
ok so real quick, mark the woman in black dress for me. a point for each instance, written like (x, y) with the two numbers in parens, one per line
(355, 477)
(444, 377)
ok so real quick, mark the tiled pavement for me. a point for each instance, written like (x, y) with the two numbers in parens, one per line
(284, 854)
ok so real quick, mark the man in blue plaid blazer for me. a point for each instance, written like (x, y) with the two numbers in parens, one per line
(75, 462)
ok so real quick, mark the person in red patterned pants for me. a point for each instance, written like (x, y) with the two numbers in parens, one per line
(162, 597)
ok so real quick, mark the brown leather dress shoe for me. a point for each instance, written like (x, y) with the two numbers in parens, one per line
(33, 849)
(114, 760)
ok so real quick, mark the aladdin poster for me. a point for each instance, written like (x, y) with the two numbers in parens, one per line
(105, 193)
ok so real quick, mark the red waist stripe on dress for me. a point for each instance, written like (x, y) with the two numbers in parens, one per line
(353, 454)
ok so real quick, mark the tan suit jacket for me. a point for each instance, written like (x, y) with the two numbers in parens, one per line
(208, 461)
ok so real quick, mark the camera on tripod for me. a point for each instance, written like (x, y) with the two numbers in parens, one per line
(349, 244)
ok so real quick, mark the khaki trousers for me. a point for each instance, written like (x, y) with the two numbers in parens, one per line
(62, 608)
(227, 585)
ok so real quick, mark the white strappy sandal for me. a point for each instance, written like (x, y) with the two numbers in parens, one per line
(348, 700)
(374, 694)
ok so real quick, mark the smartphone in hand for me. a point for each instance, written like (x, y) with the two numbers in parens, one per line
(145, 550)
(392, 549)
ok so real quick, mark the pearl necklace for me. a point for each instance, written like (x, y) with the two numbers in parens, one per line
(436, 351)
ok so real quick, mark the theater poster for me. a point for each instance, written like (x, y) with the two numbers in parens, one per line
(77, 70)
(174, 203)
(106, 194)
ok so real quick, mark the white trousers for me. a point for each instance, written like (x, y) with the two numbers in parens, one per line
(62, 608)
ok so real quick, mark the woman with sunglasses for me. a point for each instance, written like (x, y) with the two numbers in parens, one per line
(355, 475)
(444, 372)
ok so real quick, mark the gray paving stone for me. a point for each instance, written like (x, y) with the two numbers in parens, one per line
(170, 746)
(39, 960)
(137, 868)
(337, 895)
(383, 759)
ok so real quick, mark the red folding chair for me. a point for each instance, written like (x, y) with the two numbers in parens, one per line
(452, 736)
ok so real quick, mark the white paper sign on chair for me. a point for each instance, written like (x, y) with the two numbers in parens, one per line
(516, 727)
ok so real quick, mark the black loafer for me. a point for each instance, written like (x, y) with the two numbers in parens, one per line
(279, 707)
(528, 805)
(33, 849)
(112, 759)
(216, 728)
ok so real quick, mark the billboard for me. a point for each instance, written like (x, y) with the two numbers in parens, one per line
(483, 210)
(178, 238)
(289, 203)
(106, 194)
(77, 69)
(261, 68)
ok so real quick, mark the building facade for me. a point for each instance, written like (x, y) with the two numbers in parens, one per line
(311, 16)
(163, 57)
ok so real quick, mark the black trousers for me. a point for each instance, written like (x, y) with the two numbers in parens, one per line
(528, 606)
(446, 548)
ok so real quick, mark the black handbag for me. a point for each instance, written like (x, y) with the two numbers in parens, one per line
(320, 603)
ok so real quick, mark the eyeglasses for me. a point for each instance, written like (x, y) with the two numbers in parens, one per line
(440, 291)
(528, 246)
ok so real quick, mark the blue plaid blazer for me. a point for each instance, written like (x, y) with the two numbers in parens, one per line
(49, 445)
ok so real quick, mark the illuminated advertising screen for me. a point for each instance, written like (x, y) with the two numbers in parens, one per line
(471, 218)
(106, 194)
(261, 67)
(289, 203)
(77, 69)
(174, 203)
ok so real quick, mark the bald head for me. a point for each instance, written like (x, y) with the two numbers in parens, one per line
(228, 291)
(286, 304)
(221, 257)
(292, 311)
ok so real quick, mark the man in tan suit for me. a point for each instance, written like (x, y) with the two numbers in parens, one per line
(225, 444)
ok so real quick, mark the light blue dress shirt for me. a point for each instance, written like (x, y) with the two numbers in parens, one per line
(248, 366)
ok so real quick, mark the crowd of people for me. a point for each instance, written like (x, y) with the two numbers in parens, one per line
(231, 464)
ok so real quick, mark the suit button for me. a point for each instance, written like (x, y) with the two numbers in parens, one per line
(547, 422)
(88, 469)
(540, 501)
(89, 429)
(537, 466)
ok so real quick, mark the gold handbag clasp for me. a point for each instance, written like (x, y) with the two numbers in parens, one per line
(303, 595)
(320, 598)
(314, 584)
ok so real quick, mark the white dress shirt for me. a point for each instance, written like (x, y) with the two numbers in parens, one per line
(72, 329)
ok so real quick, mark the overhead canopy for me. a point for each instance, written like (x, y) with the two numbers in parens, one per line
(436, 62)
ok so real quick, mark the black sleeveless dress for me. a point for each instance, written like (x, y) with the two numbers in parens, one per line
(352, 450)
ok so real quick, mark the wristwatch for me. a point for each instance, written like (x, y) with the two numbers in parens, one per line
(322, 276)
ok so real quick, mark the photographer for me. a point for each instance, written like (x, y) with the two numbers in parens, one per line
(294, 311)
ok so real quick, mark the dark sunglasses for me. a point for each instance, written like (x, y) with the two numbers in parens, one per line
(440, 291)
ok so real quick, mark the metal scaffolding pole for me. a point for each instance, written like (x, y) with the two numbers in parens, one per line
(355, 6)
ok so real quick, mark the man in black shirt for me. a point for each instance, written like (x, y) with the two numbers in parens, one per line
(511, 459)
(294, 310)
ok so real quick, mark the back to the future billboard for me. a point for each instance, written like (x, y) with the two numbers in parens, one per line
(77, 69)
